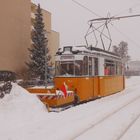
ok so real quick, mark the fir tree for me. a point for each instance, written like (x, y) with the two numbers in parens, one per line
(39, 52)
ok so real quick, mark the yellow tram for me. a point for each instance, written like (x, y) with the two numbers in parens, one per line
(82, 74)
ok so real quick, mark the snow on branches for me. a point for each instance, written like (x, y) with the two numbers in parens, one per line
(39, 64)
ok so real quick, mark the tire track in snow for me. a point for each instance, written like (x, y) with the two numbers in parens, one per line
(128, 127)
(106, 117)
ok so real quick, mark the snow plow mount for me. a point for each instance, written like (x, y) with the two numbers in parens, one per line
(54, 100)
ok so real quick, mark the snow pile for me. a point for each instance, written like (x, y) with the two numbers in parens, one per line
(19, 108)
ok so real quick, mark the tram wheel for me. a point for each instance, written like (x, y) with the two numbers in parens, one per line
(76, 99)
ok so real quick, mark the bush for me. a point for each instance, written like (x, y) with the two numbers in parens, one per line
(7, 76)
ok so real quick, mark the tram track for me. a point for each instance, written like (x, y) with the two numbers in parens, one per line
(128, 127)
(107, 117)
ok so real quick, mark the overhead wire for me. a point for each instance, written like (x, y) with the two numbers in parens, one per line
(126, 36)
(81, 5)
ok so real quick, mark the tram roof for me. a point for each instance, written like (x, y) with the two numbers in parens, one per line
(83, 49)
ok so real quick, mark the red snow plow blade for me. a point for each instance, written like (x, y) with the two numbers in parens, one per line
(53, 98)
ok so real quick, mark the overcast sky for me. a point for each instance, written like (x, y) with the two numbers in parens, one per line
(70, 20)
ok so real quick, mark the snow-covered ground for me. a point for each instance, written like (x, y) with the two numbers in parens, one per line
(116, 117)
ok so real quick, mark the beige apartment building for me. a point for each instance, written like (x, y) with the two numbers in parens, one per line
(15, 33)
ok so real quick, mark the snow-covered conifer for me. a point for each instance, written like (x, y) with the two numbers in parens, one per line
(39, 52)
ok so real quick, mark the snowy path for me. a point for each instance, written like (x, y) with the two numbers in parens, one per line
(114, 125)
(134, 132)
(115, 117)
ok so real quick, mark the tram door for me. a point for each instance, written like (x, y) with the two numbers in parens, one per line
(91, 72)
(95, 77)
(90, 62)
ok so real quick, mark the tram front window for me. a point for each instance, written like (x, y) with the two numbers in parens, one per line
(78, 67)
(69, 68)
(65, 68)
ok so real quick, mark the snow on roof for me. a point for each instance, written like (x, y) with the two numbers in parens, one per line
(81, 48)
(84, 49)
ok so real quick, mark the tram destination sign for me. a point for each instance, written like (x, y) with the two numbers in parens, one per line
(67, 57)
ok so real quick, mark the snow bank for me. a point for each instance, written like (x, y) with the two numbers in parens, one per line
(19, 108)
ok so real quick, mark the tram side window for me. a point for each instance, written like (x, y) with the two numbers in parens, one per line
(109, 68)
(96, 66)
(78, 67)
(90, 65)
(85, 65)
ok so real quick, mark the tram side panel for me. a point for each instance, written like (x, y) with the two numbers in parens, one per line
(110, 85)
(96, 88)
(85, 88)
